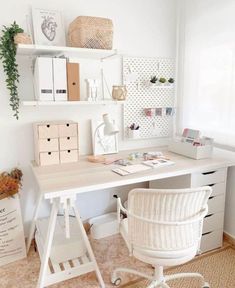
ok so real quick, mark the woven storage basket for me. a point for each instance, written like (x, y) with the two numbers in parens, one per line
(91, 32)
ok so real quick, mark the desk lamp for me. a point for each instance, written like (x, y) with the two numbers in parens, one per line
(110, 129)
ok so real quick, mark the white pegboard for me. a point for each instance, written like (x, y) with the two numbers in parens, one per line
(141, 96)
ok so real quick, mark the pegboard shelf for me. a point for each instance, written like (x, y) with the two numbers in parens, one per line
(141, 95)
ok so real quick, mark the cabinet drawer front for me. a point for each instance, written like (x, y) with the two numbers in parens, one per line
(68, 130)
(49, 144)
(218, 188)
(68, 156)
(67, 143)
(212, 240)
(48, 131)
(49, 158)
(213, 222)
(216, 204)
(209, 177)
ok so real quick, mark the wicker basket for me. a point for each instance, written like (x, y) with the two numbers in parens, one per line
(91, 32)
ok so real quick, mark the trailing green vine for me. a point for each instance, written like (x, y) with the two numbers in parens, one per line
(10, 67)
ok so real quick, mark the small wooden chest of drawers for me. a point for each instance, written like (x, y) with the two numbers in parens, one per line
(56, 142)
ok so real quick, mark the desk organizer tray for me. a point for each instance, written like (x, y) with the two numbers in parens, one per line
(188, 150)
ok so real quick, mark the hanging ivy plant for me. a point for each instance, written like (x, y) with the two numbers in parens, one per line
(10, 67)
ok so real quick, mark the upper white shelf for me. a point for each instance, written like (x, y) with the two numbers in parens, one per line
(38, 50)
(70, 103)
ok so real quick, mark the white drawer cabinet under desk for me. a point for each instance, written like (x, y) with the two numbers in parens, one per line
(212, 235)
(60, 184)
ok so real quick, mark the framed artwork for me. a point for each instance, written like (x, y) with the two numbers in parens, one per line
(102, 144)
(48, 27)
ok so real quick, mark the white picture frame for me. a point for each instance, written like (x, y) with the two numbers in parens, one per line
(48, 27)
(102, 144)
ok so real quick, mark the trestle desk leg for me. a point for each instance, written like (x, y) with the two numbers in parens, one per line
(88, 246)
(33, 223)
(48, 243)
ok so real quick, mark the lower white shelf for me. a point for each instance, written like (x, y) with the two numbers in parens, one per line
(70, 103)
(59, 269)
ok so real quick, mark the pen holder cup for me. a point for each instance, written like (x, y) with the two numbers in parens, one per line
(134, 134)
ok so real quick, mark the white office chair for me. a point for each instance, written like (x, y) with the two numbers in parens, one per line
(163, 228)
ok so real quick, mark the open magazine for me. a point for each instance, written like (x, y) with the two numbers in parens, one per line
(145, 165)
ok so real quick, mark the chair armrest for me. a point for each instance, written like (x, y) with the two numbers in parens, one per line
(120, 208)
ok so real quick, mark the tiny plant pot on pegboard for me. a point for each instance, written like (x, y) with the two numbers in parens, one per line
(134, 131)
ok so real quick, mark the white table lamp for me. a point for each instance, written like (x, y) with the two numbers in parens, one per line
(110, 129)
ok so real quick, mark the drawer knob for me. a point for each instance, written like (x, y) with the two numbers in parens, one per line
(207, 173)
(48, 126)
(49, 153)
(68, 138)
(67, 125)
(48, 139)
(209, 215)
(211, 185)
(207, 233)
(68, 151)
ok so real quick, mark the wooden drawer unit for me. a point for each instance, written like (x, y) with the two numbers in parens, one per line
(48, 131)
(68, 143)
(49, 144)
(68, 130)
(213, 223)
(208, 177)
(49, 158)
(56, 142)
(68, 156)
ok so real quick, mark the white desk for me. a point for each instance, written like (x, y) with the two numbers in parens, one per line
(61, 184)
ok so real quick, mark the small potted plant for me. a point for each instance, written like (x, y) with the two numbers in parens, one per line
(10, 183)
(153, 79)
(162, 81)
(171, 81)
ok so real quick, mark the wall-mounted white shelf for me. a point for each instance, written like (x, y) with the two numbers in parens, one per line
(39, 50)
(70, 103)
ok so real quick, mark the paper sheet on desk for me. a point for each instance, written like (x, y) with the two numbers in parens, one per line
(127, 170)
(157, 163)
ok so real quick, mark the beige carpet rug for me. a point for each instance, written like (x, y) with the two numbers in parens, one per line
(218, 268)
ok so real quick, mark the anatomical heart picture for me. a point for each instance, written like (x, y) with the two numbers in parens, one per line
(48, 27)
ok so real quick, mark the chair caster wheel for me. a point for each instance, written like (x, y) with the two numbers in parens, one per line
(206, 285)
(117, 281)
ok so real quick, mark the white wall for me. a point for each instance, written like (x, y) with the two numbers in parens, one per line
(207, 78)
(145, 28)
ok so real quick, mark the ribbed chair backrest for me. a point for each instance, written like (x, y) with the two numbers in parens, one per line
(157, 205)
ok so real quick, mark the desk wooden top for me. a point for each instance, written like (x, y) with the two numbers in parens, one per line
(83, 176)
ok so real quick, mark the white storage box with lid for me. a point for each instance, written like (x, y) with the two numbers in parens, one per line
(63, 249)
(188, 150)
(104, 226)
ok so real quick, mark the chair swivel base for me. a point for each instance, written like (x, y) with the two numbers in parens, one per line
(158, 280)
